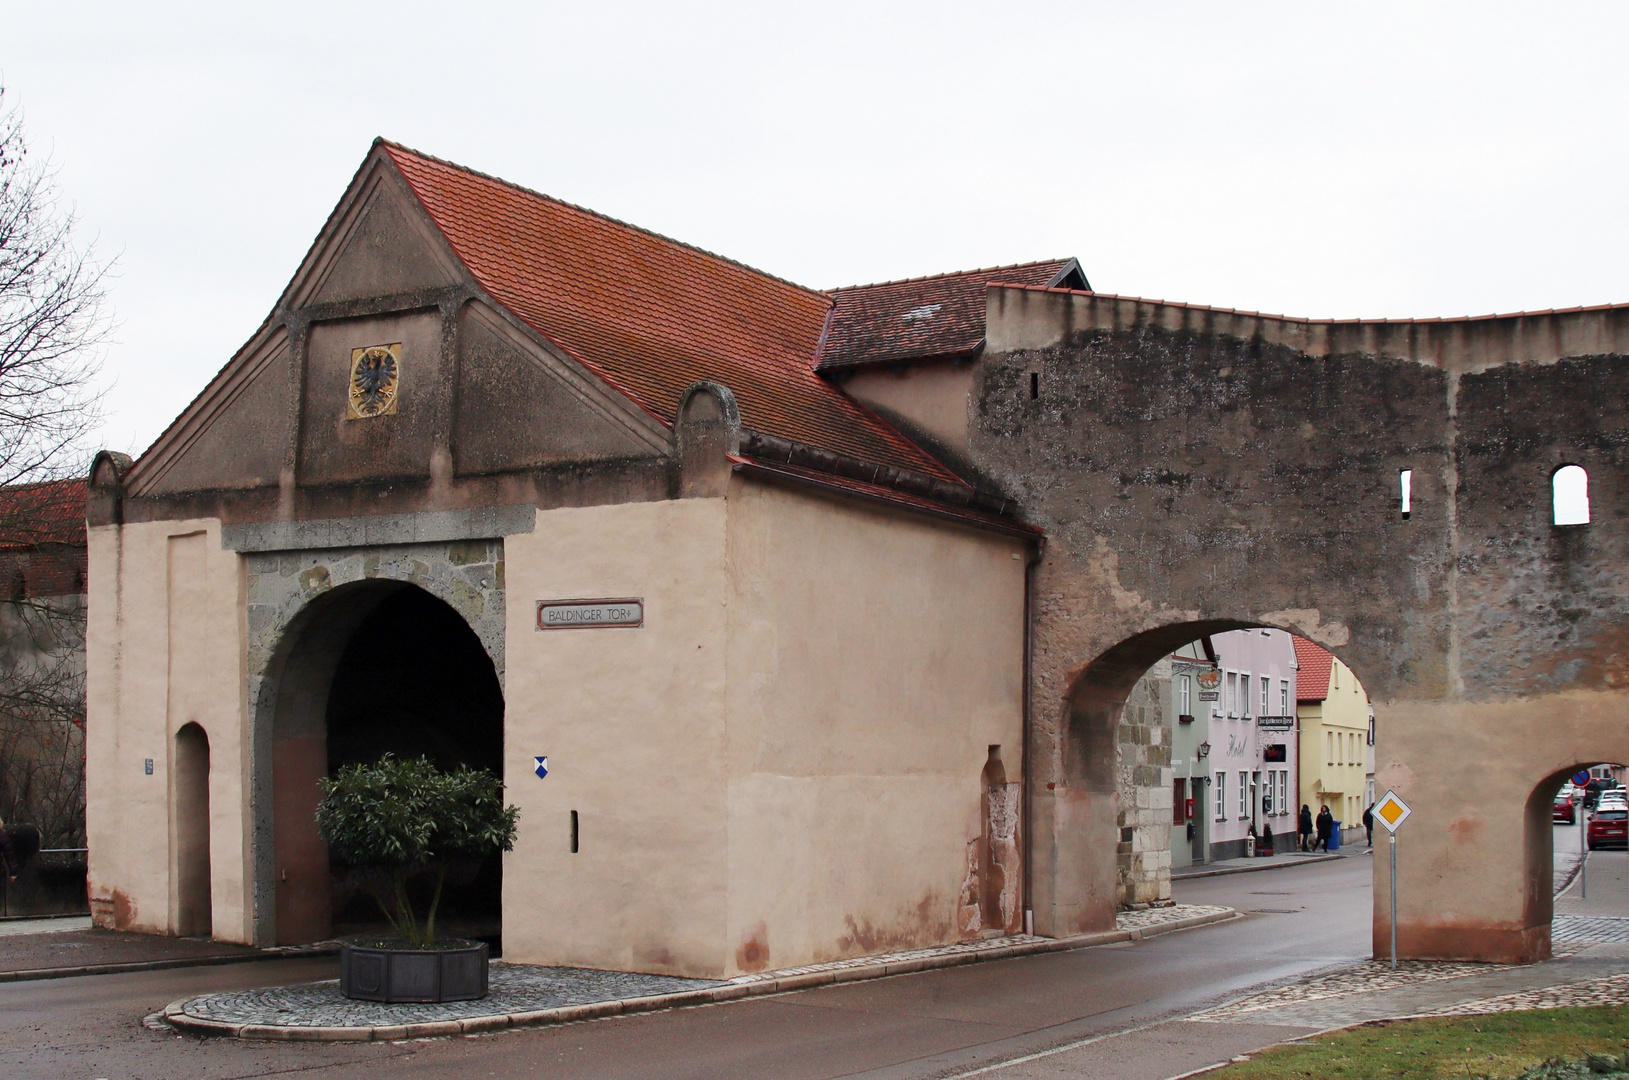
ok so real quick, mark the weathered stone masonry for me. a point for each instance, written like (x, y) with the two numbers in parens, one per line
(1199, 471)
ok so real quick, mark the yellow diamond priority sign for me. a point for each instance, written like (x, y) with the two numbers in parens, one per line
(1391, 811)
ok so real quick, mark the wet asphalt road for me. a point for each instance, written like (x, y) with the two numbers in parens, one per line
(939, 1023)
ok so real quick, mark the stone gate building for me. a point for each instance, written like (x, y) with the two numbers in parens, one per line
(824, 607)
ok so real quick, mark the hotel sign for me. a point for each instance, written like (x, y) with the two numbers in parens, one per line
(590, 614)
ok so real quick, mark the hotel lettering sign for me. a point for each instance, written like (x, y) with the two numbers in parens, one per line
(590, 614)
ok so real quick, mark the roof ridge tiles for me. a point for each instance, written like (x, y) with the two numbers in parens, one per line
(580, 209)
(941, 277)
(1310, 321)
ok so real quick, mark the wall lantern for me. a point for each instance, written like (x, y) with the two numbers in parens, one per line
(1204, 749)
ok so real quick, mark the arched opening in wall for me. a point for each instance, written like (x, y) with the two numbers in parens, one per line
(193, 909)
(372, 668)
(1577, 825)
(1569, 496)
(1199, 744)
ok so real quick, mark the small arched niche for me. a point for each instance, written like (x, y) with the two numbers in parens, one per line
(1569, 496)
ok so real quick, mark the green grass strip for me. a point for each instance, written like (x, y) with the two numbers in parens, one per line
(1500, 1045)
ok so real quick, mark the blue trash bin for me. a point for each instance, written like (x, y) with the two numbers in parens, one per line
(1335, 838)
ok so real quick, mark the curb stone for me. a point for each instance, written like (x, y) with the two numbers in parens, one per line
(1266, 865)
(176, 1016)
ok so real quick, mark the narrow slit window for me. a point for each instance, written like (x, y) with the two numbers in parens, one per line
(574, 832)
(1569, 491)
(1405, 479)
(1034, 385)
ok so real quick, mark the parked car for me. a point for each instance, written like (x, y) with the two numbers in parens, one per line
(1609, 827)
(1566, 807)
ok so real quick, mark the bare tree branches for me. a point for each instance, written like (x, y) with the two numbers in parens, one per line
(42, 717)
(53, 319)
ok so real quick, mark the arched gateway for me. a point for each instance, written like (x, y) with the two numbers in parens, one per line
(823, 606)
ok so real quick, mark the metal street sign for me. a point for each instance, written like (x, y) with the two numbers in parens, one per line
(1391, 811)
(1276, 723)
(590, 614)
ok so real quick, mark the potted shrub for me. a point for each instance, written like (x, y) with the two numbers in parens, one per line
(400, 818)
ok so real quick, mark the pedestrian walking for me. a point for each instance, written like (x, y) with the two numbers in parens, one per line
(1326, 828)
(1303, 838)
(1368, 823)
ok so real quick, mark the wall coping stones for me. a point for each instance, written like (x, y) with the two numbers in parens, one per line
(265, 1014)
(427, 527)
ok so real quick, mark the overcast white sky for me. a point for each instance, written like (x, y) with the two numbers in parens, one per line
(1310, 159)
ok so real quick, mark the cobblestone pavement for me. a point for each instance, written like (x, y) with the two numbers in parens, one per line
(514, 988)
(1582, 929)
(526, 989)
(1612, 990)
(1364, 978)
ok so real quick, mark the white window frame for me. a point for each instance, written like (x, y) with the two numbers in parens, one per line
(1284, 696)
(1266, 695)
(1230, 694)
(1221, 796)
(1283, 792)
(1184, 695)
(1246, 682)
(1244, 794)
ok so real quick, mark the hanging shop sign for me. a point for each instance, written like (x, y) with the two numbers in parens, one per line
(590, 614)
(1275, 752)
(1276, 723)
(1210, 684)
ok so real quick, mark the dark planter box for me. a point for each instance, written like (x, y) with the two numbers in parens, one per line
(455, 972)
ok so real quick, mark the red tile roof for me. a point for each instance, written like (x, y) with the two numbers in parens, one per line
(1315, 661)
(650, 315)
(32, 515)
(919, 318)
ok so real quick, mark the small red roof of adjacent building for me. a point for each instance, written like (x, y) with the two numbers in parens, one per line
(925, 318)
(33, 515)
(1315, 663)
(652, 316)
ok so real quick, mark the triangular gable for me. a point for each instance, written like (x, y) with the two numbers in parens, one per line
(378, 245)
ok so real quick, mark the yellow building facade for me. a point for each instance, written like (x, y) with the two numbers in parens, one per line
(1335, 722)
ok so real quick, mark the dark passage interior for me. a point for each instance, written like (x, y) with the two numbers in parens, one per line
(414, 681)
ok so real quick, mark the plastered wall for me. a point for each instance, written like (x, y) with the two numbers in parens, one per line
(632, 722)
(785, 763)
(164, 649)
(874, 658)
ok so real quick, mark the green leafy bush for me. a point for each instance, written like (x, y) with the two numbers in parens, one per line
(402, 816)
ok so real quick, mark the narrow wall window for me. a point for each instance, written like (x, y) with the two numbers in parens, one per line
(574, 832)
(1244, 696)
(1405, 479)
(1034, 385)
(1266, 695)
(1283, 697)
(1184, 693)
(1283, 791)
(1569, 494)
(1221, 796)
(1244, 794)
(1329, 746)
(1371, 727)
(1232, 702)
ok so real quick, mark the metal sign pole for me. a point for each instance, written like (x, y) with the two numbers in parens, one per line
(1394, 901)
(1583, 856)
